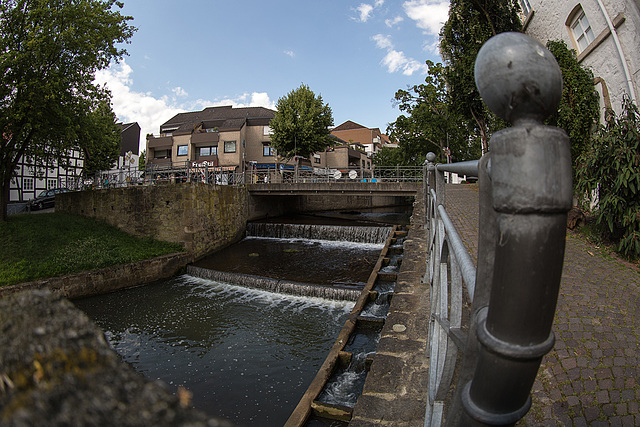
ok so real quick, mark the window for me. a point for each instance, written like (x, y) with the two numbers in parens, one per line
(267, 130)
(182, 150)
(52, 183)
(27, 184)
(526, 7)
(268, 151)
(160, 154)
(229, 146)
(208, 151)
(316, 158)
(581, 30)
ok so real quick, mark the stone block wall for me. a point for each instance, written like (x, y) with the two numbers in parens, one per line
(200, 217)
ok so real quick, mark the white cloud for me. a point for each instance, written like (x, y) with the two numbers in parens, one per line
(393, 22)
(365, 12)
(396, 61)
(179, 92)
(290, 53)
(149, 111)
(131, 106)
(382, 42)
(429, 15)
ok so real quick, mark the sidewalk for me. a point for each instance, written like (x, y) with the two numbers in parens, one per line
(590, 377)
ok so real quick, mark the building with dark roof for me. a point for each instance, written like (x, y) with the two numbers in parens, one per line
(371, 138)
(224, 137)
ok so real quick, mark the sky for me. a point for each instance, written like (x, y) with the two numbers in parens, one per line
(191, 54)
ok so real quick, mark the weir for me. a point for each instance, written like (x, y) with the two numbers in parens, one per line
(376, 235)
(275, 285)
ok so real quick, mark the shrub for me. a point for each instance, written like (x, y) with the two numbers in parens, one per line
(610, 170)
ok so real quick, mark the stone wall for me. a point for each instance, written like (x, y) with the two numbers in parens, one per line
(200, 217)
(106, 279)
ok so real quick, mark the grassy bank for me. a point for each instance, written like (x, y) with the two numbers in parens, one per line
(54, 244)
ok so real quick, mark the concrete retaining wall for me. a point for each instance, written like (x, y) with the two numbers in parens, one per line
(202, 218)
(107, 279)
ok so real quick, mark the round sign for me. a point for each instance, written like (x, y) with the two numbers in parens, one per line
(353, 174)
(337, 174)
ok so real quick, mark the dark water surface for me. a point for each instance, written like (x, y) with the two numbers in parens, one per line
(307, 261)
(246, 355)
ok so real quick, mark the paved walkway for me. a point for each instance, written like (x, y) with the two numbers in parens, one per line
(590, 378)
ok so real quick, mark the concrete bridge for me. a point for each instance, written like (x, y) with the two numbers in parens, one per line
(346, 188)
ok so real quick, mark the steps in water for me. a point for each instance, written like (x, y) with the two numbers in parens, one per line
(375, 235)
(275, 285)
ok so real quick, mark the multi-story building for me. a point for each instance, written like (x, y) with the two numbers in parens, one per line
(370, 138)
(222, 137)
(30, 179)
(129, 147)
(33, 177)
(228, 139)
(605, 35)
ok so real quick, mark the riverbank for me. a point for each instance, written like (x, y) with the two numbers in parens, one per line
(53, 245)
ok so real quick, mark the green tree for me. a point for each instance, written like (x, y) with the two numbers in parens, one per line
(610, 168)
(301, 124)
(579, 111)
(470, 24)
(49, 53)
(100, 139)
(142, 160)
(431, 123)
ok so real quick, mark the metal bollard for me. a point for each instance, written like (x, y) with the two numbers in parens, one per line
(530, 171)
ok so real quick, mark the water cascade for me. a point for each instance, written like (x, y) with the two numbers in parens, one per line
(377, 235)
(333, 394)
(275, 285)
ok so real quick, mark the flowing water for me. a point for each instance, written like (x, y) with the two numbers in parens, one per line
(246, 355)
(245, 352)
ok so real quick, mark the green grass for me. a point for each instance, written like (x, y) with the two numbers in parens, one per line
(55, 244)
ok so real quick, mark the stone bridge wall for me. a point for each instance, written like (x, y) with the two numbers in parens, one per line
(200, 217)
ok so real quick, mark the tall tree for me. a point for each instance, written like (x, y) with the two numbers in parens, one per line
(301, 124)
(470, 24)
(49, 53)
(432, 124)
(100, 139)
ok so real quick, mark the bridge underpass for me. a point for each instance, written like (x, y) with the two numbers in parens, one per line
(333, 188)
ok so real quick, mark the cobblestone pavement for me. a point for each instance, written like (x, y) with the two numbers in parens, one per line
(590, 378)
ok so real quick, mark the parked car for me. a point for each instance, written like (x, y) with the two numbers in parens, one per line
(46, 199)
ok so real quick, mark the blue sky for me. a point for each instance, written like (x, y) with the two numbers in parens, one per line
(192, 54)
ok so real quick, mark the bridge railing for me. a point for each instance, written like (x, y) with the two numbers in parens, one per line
(490, 326)
(227, 175)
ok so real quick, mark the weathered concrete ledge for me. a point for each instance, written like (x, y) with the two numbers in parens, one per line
(56, 368)
(395, 392)
(108, 279)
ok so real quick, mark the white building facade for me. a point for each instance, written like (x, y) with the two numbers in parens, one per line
(30, 179)
(604, 33)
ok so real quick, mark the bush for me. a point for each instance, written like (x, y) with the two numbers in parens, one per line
(610, 170)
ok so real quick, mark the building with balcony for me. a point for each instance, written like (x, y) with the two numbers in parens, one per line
(222, 137)
(605, 35)
(227, 139)
(370, 138)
